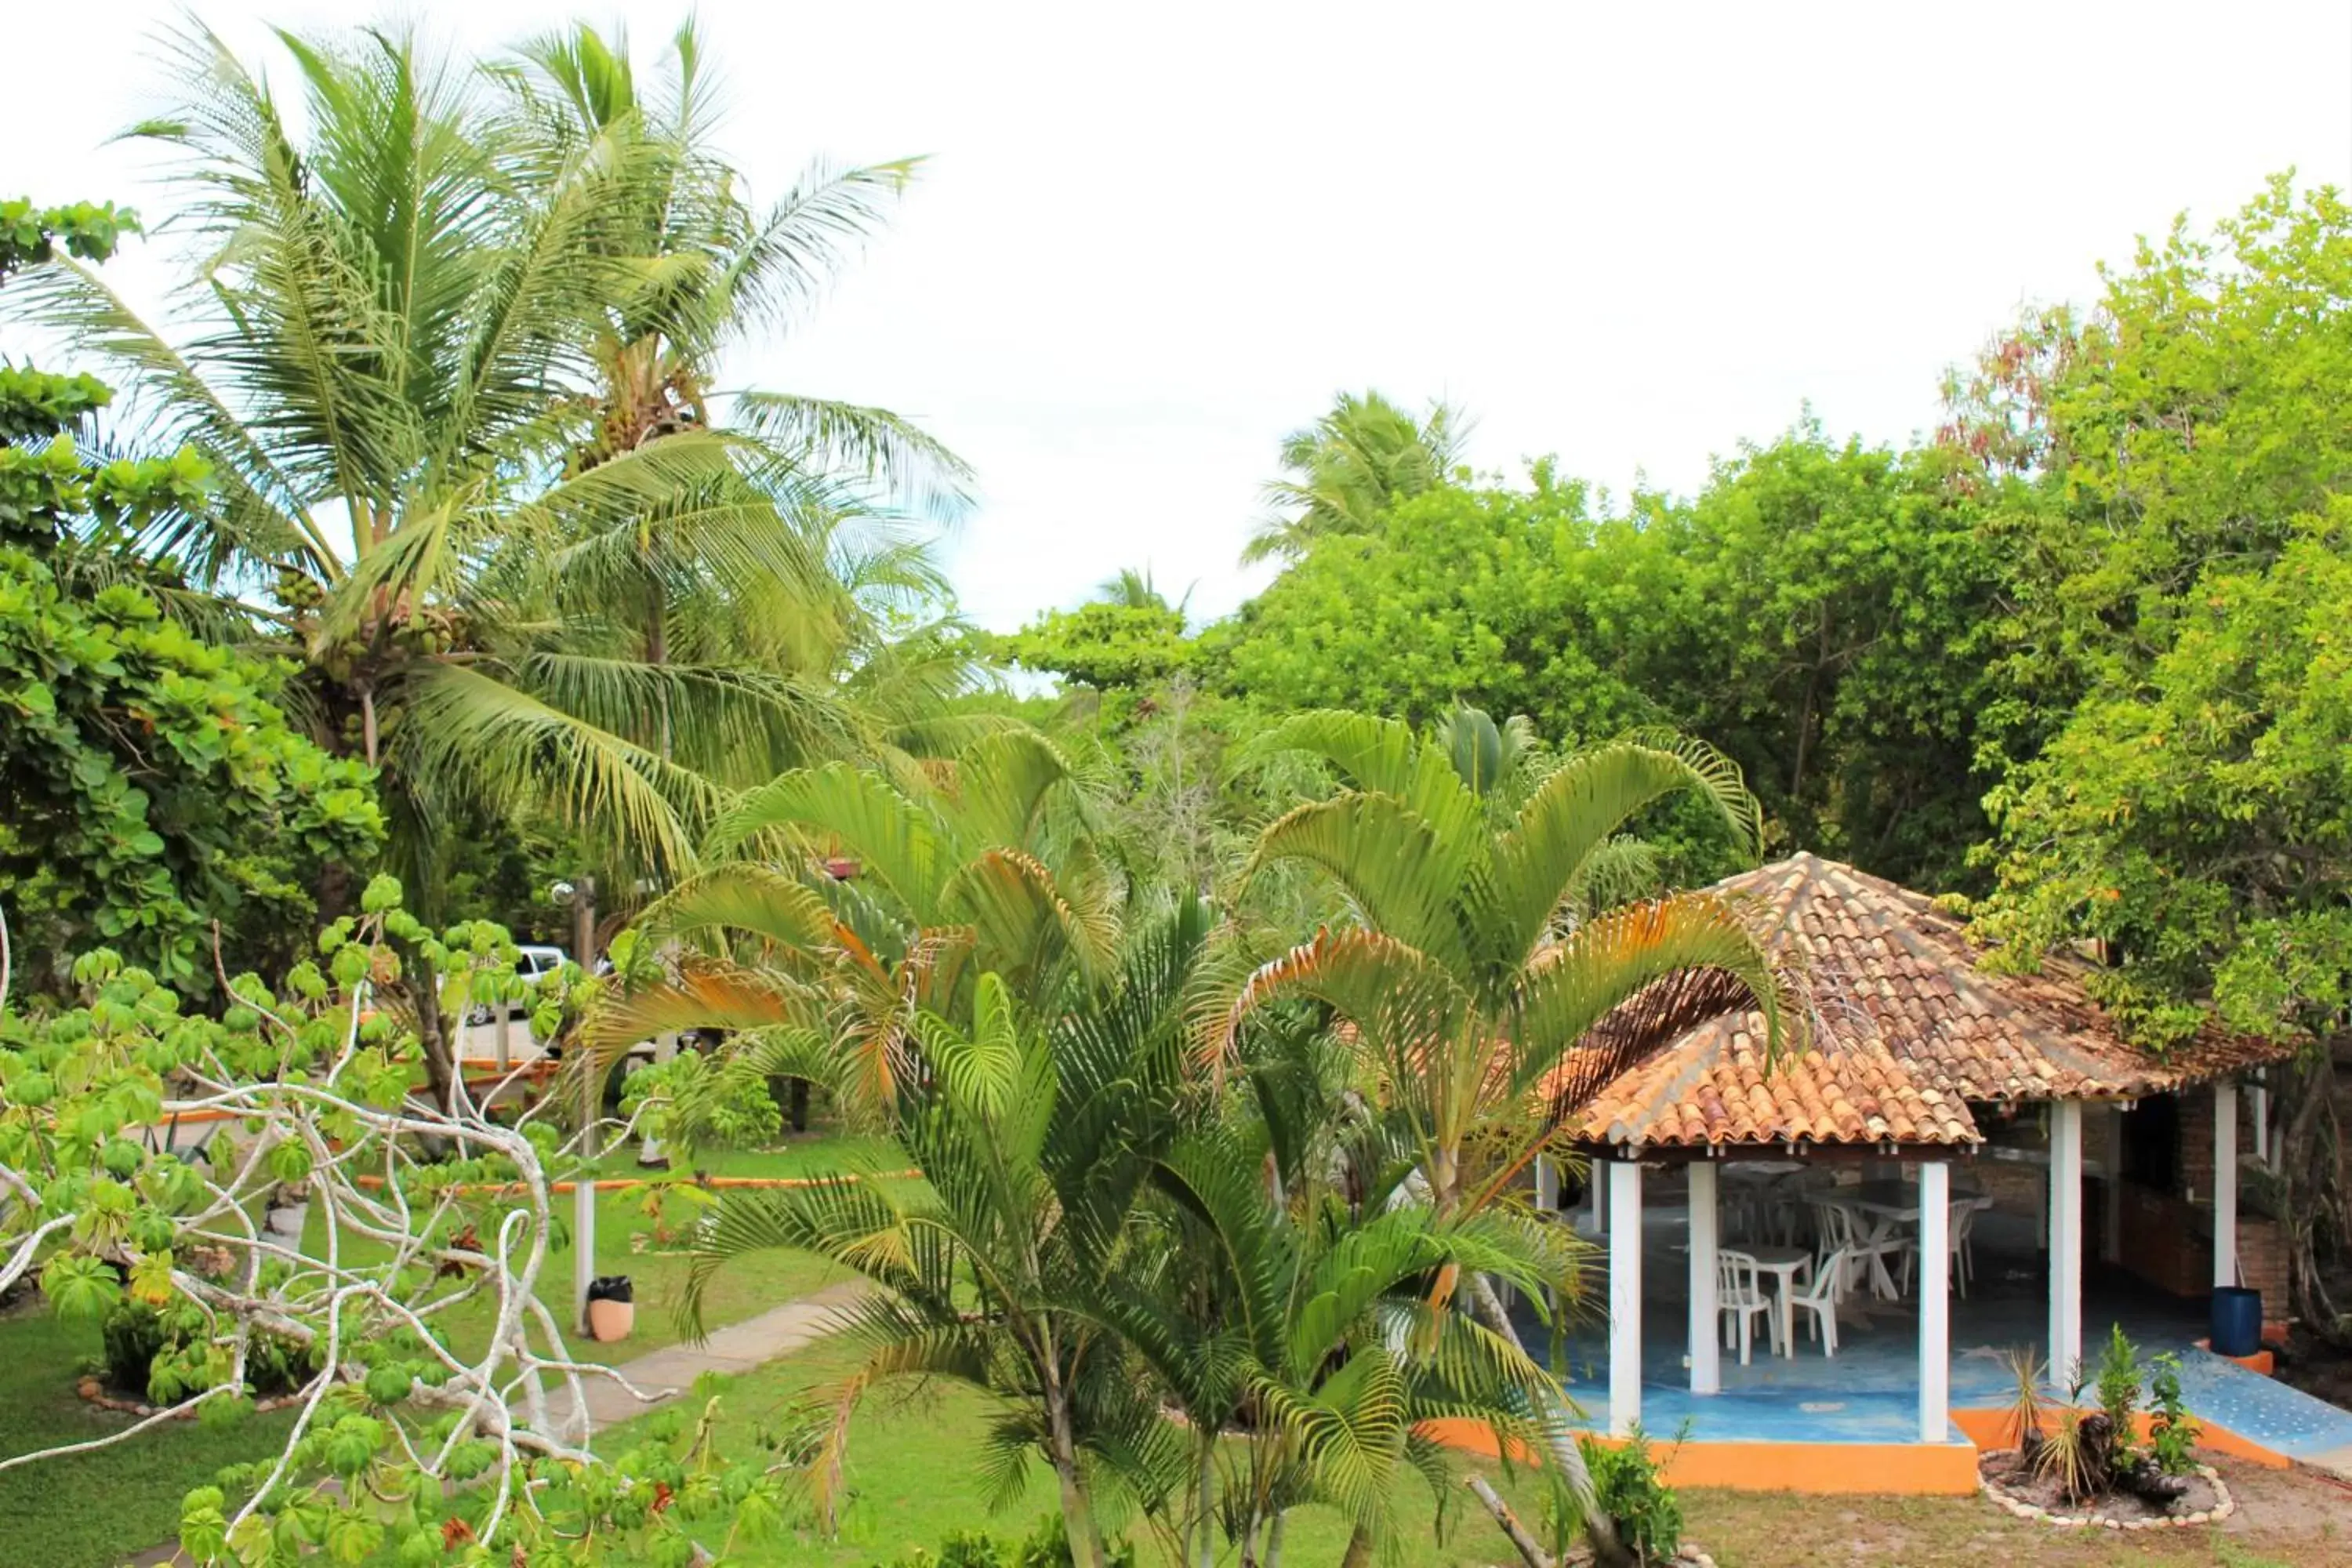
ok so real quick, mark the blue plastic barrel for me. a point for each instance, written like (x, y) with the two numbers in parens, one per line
(2237, 1321)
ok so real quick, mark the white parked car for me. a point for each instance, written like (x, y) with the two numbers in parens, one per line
(535, 964)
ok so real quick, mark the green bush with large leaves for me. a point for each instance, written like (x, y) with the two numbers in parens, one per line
(154, 785)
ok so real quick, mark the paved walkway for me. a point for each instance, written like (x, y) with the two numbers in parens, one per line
(737, 1348)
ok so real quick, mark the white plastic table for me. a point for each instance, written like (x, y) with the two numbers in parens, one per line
(1784, 1263)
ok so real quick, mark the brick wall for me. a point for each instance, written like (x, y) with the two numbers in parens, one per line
(2168, 1237)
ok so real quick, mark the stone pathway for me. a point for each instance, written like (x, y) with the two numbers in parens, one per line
(737, 1348)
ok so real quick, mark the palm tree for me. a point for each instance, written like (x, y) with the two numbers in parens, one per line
(396, 366)
(1350, 467)
(1034, 1134)
(1465, 978)
(835, 905)
(1305, 1326)
(721, 271)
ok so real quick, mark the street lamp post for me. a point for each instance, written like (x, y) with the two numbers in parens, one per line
(580, 899)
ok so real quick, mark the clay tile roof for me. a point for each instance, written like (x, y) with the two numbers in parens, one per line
(1907, 1027)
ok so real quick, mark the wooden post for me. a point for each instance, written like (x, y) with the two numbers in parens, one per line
(1625, 1296)
(1705, 1357)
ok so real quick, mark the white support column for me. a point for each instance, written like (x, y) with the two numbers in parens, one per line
(1596, 1182)
(2111, 1226)
(1935, 1299)
(1547, 1185)
(2225, 1184)
(1706, 1338)
(1625, 1296)
(2065, 1237)
(2261, 1095)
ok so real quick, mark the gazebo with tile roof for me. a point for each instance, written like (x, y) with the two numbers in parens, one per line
(1908, 1030)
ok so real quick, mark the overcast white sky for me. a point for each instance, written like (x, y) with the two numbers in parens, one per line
(1151, 240)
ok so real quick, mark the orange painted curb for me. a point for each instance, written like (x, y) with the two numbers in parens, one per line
(615, 1184)
(2262, 1361)
(1904, 1470)
(1989, 1429)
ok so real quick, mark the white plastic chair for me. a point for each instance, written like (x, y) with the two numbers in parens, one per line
(1963, 1228)
(1737, 1292)
(1869, 1251)
(1821, 1297)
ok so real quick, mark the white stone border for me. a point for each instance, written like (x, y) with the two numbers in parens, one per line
(2224, 1505)
(94, 1391)
(1686, 1556)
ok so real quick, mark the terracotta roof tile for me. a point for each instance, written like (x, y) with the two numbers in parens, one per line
(1907, 1028)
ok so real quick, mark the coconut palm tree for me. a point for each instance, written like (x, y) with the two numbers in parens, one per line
(1465, 978)
(398, 353)
(720, 271)
(1351, 466)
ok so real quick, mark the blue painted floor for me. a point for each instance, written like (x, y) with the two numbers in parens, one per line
(1869, 1392)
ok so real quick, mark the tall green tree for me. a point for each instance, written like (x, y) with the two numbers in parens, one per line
(392, 368)
(2171, 475)
(785, 596)
(1340, 473)
(154, 787)
(1821, 613)
(1457, 595)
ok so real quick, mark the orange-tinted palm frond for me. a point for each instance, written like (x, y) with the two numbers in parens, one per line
(1021, 919)
(702, 996)
(1396, 998)
(1625, 985)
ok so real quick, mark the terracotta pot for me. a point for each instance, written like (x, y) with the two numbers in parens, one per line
(611, 1320)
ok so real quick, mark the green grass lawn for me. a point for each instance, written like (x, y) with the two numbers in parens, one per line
(625, 1245)
(89, 1511)
(911, 1475)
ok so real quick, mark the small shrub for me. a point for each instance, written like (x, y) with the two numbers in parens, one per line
(164, 1356)
(1046, 1546)
(2118, 1392)
(2172, 1432)
(1628, 1492)
(2025, 1402)
(132, 1336)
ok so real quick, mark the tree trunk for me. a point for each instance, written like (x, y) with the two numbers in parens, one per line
(1530, 1549)
(1205, 1515)
(368, 729)
(432, 1033)
(1078, 1514)
(1600, 1530)
(1360, 1549)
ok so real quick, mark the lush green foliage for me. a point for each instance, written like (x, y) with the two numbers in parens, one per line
(154, 785)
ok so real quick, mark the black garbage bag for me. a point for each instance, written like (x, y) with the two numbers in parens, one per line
(610, 1287)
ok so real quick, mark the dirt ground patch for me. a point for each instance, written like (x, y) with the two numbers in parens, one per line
(2285, 1519)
